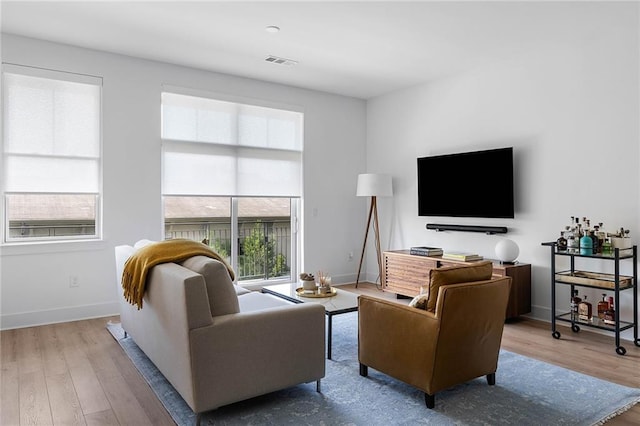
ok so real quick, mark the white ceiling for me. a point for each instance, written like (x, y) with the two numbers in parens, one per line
(361, 49)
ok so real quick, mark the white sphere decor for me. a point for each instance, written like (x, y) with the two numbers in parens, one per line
(507, 250)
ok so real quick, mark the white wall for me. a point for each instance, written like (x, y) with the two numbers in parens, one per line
(571, 112)
(35, 279)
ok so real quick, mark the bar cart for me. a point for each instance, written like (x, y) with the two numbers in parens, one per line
(609, 282)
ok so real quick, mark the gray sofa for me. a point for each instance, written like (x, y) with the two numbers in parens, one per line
(216, 342)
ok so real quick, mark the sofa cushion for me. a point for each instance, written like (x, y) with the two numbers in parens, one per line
(478, 271)
(256, 301)
(240, 290)
(223, 299)
(142, 244)
(420, 301)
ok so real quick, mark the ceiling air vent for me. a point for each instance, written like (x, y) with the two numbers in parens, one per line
(280, 61)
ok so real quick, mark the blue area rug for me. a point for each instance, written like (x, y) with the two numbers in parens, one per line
(527, 392)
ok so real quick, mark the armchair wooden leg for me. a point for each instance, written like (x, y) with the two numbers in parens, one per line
(364, 370)
(430, 400)
(491, 379)
(318, 386)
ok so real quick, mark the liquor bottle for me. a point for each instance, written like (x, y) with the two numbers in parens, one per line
(601, 234)
(603, 306)
(570, 229)
(586, 245)
(572, 244)
(575, 301)
(562, 242)
(584, 310)
(610, 314)
(594, 241)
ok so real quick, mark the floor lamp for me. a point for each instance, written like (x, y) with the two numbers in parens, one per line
(373, 185)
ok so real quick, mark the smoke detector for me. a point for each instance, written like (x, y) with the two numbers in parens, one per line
(280, 61)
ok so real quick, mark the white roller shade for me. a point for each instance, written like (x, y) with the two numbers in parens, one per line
(213, 147)
(51, 131)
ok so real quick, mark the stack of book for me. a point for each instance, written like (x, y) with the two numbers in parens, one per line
(465, 257)
(426, 251)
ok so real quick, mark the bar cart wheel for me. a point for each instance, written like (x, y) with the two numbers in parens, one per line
(637, 342)
(620, 350)
(556, 334)
(575, 328)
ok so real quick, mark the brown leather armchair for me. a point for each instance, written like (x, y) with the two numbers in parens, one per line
(433, 351)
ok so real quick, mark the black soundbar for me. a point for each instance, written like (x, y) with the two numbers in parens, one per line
(468, 228)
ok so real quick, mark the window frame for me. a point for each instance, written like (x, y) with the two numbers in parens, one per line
(294, 243)
(295, 200)
(62, 76)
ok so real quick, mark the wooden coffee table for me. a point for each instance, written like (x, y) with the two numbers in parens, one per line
(343, 302)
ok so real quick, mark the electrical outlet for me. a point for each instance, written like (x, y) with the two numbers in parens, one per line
(73, 281)
(350, 256)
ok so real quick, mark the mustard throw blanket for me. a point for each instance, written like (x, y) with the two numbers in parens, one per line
(134, 276)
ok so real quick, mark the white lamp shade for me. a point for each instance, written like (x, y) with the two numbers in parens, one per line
(507, 250)
(374, 185)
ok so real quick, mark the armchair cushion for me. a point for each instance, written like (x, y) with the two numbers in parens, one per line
(454, 275)
(223, 298)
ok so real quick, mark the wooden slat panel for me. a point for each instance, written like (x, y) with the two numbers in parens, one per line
(144, 394)
(34, 400)
(28, 352)
(405, 274)
(124, 403)
(102, 418)
(52, 353)
(90, 393)
(97, 341)
(9, 345)
(9, 394)
(65, 407)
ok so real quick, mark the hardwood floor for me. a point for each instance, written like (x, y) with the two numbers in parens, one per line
(73, 373)
(76, 374)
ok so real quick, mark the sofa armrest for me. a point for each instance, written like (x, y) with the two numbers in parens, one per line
(251, 353)
(175, 300)
(396, 339)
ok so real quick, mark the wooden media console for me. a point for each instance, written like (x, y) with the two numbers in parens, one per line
(405, 273)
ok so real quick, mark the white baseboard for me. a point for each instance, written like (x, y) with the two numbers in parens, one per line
(52, 316)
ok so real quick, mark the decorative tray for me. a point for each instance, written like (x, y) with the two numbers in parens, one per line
(300, 292)
(593, 279)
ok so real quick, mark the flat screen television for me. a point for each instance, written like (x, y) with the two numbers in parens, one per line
(469, 184)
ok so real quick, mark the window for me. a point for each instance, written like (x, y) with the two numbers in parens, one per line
(232, 177)
(51, 155)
